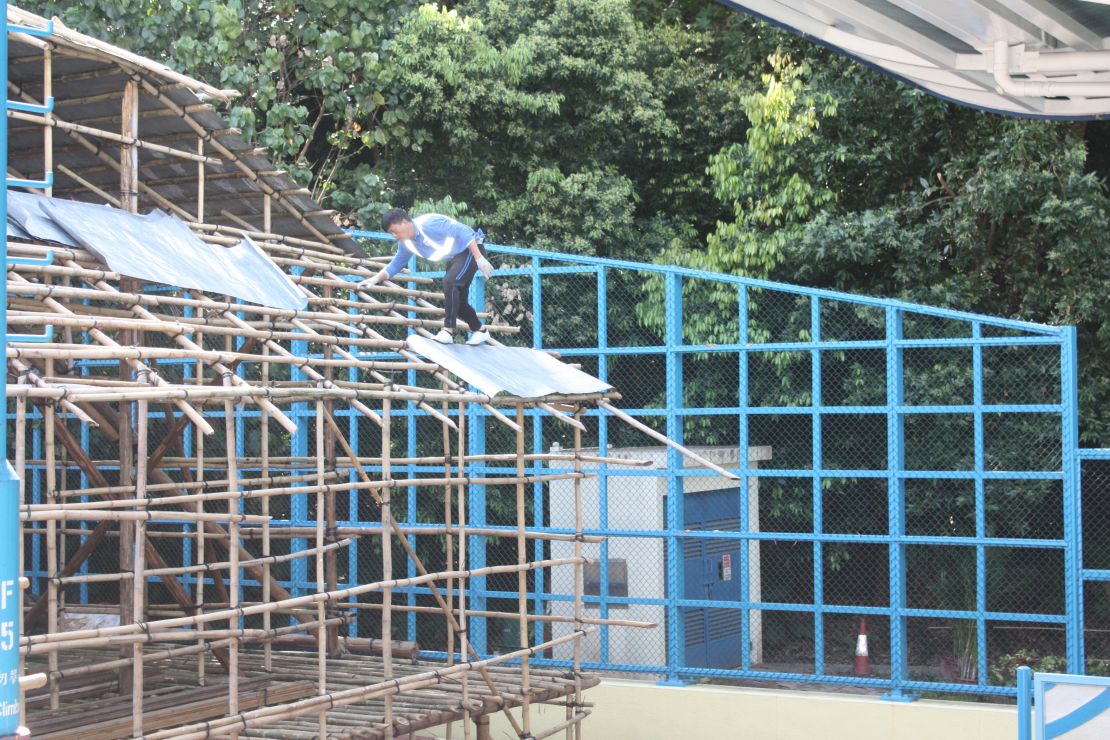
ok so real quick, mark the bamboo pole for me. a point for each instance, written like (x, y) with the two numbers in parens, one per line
(634, 423)
(522, 576)
(578, 591)
(205, 567)
(49, 422)
(187, 486)
(129, 146)
(208, 567)
(449, 547)
(264, 451)
(83, 352)
(125, 142)
(137, 516)
(106, 509)
(138, 597)
(200, 180)
(233, 564)
(111, 665)
(546, 618)
(321, 634)
(200, 555)
(94, 317)
(460, 493)
(289, 461)
(387, 562)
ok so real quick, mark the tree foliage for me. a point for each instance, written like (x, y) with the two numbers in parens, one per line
(671, 130)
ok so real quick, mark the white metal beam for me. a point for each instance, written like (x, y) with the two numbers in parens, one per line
(1048, 17)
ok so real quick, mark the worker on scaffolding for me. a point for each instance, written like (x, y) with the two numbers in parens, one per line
(436, 237)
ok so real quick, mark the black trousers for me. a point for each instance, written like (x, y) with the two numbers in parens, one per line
(456, 284)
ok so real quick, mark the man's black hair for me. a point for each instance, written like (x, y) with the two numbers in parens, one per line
(394, 216)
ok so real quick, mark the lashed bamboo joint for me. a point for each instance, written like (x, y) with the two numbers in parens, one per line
(173, 518)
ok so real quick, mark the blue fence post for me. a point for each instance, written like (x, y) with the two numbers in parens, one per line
(1024, 697)
(476, 507)
(818, 464)
(1073, 530)
(538, 447)
(745, 494)
(603, 450)
(896, 519)
(676, 632)
(980, 505)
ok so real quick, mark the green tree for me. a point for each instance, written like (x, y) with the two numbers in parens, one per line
(314, 77)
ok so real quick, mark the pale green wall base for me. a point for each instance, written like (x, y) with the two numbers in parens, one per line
(645, 711)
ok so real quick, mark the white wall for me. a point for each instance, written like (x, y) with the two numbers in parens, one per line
(637, 503)
(646, 711)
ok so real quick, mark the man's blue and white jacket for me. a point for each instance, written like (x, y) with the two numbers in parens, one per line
(437, 237)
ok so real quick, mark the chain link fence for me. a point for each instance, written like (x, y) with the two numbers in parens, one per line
(909, 472)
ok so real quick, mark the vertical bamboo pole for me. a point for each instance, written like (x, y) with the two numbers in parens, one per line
(267, 220)
(51, 536)
(464, 583)
(233, 551)
(264, 451)
(138, 582)
(129, 201)
(129, 154)
(198, 441)
(127, 528)
(321, 630)
(200, 182)
(331, 564)
(387, 560)
(578, 582)
(449, 543)
(522, 576)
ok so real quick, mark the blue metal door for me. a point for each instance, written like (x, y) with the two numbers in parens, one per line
(711, 570)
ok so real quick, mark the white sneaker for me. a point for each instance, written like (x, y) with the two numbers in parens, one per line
(444, 337)
(479, 337)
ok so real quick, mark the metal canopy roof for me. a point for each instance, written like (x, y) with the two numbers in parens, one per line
(1034, 58)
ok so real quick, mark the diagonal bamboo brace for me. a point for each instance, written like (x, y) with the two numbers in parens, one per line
(104, 339)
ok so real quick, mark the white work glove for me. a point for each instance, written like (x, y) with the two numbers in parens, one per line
(485, 267)
(370, 281)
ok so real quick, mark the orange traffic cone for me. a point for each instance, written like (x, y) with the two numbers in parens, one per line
(862, 666)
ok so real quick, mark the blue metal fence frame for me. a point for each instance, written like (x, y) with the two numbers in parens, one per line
(536, 265)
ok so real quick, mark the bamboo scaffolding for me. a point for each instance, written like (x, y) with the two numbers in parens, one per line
(350, 696)
(186, 352)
